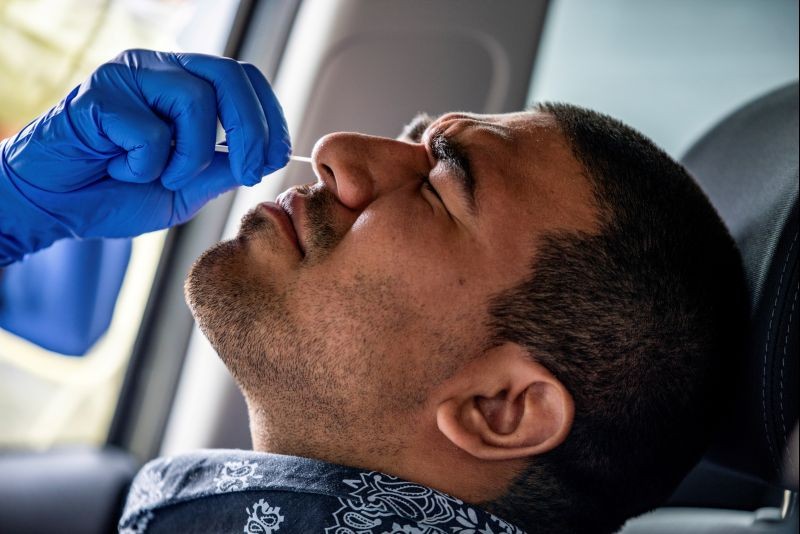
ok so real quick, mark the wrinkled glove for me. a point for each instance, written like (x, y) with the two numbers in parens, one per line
(102, 162)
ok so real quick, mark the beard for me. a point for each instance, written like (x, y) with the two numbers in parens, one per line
(241, 308)
(288, 370)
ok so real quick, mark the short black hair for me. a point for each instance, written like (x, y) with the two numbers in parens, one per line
(641, 322)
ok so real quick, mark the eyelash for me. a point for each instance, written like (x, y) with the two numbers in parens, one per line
(426, 183)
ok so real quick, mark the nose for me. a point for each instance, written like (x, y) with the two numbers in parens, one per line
(360, 168)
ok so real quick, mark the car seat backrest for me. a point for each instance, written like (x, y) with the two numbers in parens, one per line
(748, 166)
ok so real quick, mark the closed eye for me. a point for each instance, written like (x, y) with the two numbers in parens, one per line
(447, 150)
(426, 184)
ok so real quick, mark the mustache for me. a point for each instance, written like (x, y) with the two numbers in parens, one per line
(320, 206)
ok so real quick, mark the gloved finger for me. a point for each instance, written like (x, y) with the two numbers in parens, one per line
(279, 144)
(190, 104)
(143, 136)
(239, 111)
(141, 208)
(216, 179)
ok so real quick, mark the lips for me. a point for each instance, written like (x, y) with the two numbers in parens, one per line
(285, 222)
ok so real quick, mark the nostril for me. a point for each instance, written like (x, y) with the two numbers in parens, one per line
(328, 177)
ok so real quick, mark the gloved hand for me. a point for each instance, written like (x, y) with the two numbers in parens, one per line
(101, 163)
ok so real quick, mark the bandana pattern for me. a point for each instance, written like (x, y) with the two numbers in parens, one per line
(378, 499)
(274, 494)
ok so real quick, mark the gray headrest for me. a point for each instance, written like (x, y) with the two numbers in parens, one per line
(748, 166)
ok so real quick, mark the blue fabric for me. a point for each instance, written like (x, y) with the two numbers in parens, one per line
(62, 298)
(131, 150)
(225, 491)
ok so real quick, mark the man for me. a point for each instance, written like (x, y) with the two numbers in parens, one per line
(492, 323)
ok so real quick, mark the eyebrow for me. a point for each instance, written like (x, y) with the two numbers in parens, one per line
(449, 151)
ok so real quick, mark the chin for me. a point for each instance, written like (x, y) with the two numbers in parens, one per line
(211, 282)
(237, 301)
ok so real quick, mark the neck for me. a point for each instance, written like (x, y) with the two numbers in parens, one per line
(323, 439)
(426, 457)
(437, 463)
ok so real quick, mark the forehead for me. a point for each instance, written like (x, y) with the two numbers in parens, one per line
(527, 170)
(520, 122)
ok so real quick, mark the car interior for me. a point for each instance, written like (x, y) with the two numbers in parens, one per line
(369, 66)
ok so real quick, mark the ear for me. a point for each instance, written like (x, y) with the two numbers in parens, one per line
(505, 406)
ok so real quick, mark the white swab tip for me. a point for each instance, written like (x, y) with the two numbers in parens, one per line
(224, 148)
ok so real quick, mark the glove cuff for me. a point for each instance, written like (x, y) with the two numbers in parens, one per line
(24, 227)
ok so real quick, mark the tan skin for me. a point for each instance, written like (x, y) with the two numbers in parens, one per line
(478, 413)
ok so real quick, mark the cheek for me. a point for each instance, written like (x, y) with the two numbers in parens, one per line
(423, 249)
(433, 268)
(413, 301)
(386, 334)
(394, 303)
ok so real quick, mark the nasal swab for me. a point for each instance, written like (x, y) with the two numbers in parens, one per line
(224, 148)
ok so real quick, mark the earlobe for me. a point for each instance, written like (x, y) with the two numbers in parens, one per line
(506, 406)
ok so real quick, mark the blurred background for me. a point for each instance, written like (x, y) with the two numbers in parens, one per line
(46, 48)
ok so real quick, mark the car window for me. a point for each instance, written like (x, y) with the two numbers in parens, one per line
(46, 48)
(669, 68)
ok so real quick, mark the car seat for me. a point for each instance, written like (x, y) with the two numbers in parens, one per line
(748, 166)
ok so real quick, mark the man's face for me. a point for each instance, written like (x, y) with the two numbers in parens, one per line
(340, 306)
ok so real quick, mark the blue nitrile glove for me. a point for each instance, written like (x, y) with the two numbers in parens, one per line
(101, 163)
(62, 298)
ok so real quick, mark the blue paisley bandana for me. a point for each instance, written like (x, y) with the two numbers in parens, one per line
(257, 493)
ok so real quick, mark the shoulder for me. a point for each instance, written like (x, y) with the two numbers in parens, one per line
(189, 481)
